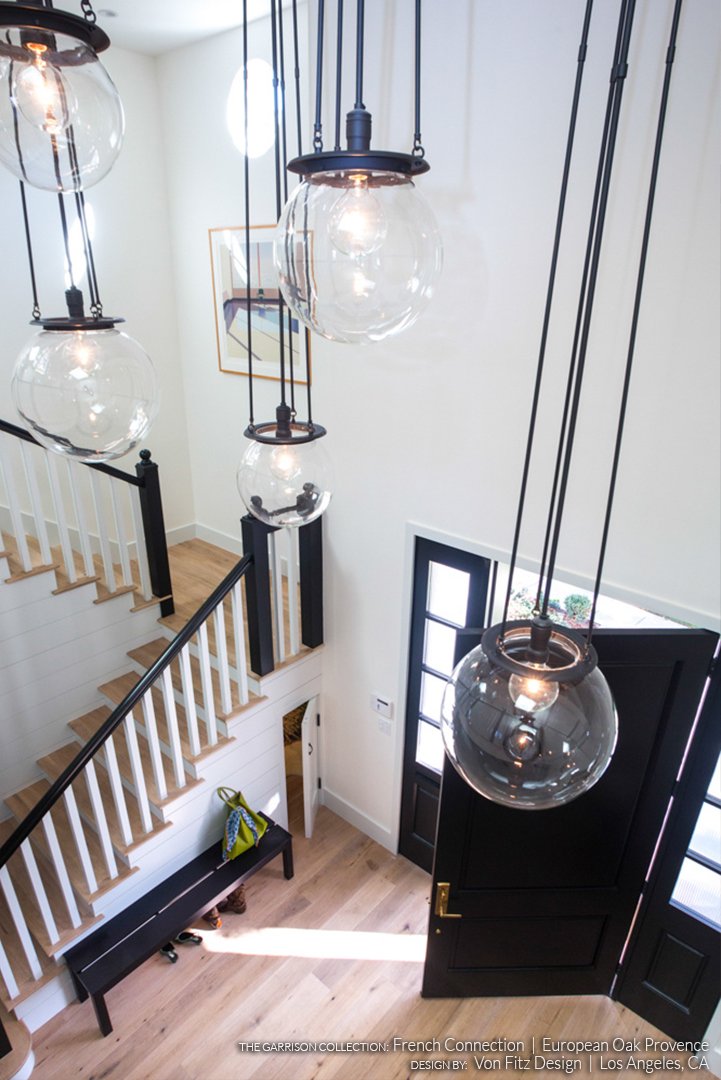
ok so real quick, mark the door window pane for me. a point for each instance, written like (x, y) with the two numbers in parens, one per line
(432, 689)
(439, 647)
(448, 593)
(706, 839)
(699, 890)
(429, 751)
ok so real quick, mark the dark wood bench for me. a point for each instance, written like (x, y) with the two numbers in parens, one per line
(101, 960)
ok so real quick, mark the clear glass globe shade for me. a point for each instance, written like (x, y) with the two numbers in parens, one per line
(530, 693)
(61, 119)
(357, 256)
(91, 395)
(530, 761)
(285, 485)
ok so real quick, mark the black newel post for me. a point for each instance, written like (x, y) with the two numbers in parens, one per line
(310, 542)
(156, 545)
(257, 594)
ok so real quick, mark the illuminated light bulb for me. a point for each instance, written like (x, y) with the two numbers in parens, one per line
(357, 224)
(39, 92)
(530, 693)
(91, 395)
(285, 463)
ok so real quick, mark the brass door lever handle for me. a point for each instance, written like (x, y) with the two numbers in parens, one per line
(443, 888)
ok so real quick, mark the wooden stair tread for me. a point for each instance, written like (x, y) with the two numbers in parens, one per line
(54, 764)
(26, 894)
(86, 726)
(146, 656)
(12, 554)
(117, 689)
(20, 805)
(26, 981)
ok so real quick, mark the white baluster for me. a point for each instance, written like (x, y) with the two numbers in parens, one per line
(20, 925)
(7, 973)
(156, 754)
(221, 648)
(76, 490)
(278, 617)
(206, 679)
(136, 765)
(293, 606)
(101, 822)
(39, 889)
(171, 716)
(13, 505)
(102, 521)
(36, 503)
(241, 666)
(191, 714)
(61, 518)
(116, 785)
(61, 870)
(81, 843)
(116, 490)
(140, 549)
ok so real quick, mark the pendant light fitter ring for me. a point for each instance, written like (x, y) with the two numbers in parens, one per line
(265, 433)
(571, 658)
(65, 324)
(359, 161)
(24, 17)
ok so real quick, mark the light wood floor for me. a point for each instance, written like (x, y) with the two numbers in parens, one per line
(348, 896)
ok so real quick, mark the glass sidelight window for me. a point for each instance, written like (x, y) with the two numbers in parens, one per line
(698, 887)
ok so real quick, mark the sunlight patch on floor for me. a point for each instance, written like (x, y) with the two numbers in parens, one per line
(322, 944)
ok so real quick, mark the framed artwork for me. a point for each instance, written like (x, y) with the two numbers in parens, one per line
(231, 277)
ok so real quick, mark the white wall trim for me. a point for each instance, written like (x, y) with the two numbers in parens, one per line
(713, 1038)
(357, 818)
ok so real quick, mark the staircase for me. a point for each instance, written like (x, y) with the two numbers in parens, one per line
(129, 795)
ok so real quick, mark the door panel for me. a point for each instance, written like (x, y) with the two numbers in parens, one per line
(672, 970)
(309, 737)
(547, 897)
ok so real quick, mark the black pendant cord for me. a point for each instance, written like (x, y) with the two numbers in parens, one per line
(31, 261)
(318, 130)
(96, 306)
(278, 186)
(549, 302)
(338, 74)
(306, 336)
(618, 77)
(418, 150)
(21, 160)
(246, 172)
(670, 56)
(359, 56)
(281, 51)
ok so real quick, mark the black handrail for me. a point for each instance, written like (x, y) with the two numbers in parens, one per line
(109, 470)
(88, 751)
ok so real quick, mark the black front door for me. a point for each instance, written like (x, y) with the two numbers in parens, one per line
(546, 898)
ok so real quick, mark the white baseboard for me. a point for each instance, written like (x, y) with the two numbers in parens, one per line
(47, 1002)
(356, 817)
(182, 533)
(233, 544)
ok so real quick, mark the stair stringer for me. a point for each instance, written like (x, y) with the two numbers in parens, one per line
(253, 762)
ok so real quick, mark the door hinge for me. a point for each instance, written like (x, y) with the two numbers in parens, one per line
(319, 782)
(317, 719)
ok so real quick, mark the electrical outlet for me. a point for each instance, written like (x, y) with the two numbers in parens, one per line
(381, 705)
(384, 726)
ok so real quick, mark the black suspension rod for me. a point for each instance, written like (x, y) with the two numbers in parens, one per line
(618, 76)
(417, 144)
(31, 262)
(549, 303)
(285, 191)
(278, 188)
(359, 57)
(670, 56)
(246, 174)
(87, 752)
(296, 76)
(338, 73)
(318, 130)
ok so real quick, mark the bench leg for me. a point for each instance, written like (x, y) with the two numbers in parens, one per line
(101, 1011)
(288, 860)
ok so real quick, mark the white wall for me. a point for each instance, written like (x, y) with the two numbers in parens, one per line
(134, 267)
(430, 427)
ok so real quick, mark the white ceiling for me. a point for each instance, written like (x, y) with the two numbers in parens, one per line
(156, 26)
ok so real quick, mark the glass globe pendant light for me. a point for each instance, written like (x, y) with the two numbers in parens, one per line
(285, 476)
(358, 251)
(61, 119)
(81, 387)
(527, 717)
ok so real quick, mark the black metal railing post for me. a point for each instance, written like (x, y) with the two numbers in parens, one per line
(310, 543)
(156, 545)
(257, 594)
